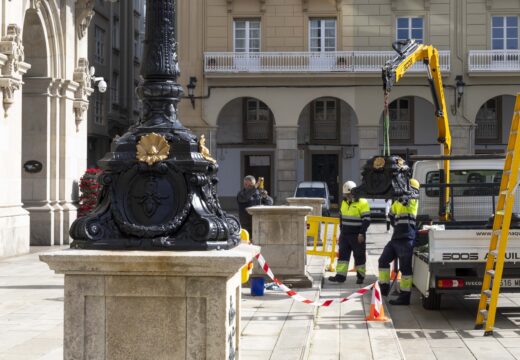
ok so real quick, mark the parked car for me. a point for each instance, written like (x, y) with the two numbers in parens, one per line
(315, 189)
(377, 208)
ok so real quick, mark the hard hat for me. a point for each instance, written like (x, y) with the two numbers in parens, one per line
(348, 186)
(415, 184)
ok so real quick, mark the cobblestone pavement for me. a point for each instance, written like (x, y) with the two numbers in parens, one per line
(275, 327)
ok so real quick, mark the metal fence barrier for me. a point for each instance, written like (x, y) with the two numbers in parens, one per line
(318, 230)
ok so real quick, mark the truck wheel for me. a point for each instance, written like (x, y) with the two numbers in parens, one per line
(432, 302)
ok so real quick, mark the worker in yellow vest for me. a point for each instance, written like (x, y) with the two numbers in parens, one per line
(403, 218)
(355, 220)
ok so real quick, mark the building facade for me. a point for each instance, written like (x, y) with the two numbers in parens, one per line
(115, 50)
(291, 89)
(45, 87)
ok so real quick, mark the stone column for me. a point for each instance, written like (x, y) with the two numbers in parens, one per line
(151, 305)
(315, 203)
(286, 161)
(462, 139)
(368, 143)
(281, 233)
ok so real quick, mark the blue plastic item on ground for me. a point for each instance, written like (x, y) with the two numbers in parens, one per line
(257, 285)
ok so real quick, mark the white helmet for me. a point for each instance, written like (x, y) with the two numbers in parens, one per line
(348, 186)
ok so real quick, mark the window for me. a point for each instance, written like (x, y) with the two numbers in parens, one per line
(322, 35)
(325, 121)
(99, 54)
(475, 182)
(410, 28)
(115, 33)
(488, 124)
(401, 120)
(115, 88)
(258, 122)
(247, 35)
(98, 108)
(504, 32)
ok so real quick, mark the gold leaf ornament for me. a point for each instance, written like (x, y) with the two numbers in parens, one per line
(379, 163)
(152, 148)
(204, 150)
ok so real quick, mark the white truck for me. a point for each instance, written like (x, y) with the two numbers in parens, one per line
(450, 257)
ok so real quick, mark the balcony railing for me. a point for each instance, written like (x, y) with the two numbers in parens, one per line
(494, 60)
(295, 62)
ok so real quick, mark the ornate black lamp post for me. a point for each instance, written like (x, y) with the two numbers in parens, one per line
(159, 179)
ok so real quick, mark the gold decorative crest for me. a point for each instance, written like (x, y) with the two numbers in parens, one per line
(401, 163)
(204, 150)
(379, 163)
(152, 148)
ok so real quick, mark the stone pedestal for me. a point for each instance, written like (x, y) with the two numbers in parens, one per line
(151, 305)
(281, 233)
(315, 203)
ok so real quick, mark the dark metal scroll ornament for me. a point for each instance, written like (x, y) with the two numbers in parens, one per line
(159, 180)
(386, 178)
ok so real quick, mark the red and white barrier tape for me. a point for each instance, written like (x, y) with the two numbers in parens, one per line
(376, 293)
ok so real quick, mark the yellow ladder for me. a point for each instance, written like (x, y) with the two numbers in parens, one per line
(498, 244)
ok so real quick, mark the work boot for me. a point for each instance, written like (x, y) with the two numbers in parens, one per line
(385, 289)
(338, 278)
(402, 299)
(360, 278)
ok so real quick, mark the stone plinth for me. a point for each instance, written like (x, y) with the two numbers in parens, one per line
(281, 233)
(315, 203)
(151, 305)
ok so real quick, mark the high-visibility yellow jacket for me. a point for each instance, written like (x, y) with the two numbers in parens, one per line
(355, 216)
(403, 218)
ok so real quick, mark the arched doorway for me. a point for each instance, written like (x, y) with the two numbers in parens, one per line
(327, 142)
(245, 138)
(493, 122)
(36, 130)
(413, 128)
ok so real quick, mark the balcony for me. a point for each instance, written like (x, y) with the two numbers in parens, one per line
(493, 61)
(307, 62)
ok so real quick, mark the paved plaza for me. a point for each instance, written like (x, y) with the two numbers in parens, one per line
(276, 327)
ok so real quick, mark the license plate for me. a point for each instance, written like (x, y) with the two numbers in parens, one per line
(510, 283)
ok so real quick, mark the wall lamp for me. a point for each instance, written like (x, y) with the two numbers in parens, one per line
(459, 91)
(191, 90)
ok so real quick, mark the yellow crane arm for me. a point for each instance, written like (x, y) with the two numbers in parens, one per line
(409, 52)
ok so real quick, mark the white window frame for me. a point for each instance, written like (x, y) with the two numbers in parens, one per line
(327, 119)
(248, 37)
(322, 37)
(409, 27)
(505, 27)
(99, 52)
(259, 106)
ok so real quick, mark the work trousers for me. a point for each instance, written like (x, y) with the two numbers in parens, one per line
(401, 249)
(348, 244)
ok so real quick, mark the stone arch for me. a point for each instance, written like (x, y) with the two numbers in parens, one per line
(328, 140)
(493, 123)
(48, 14)
(244, 147)
(420, 135)
(479, 96)
(230, 122)
(221, 98)
(43, 42)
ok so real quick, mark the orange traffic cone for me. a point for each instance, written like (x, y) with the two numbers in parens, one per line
(392, 272)
(374, 315)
